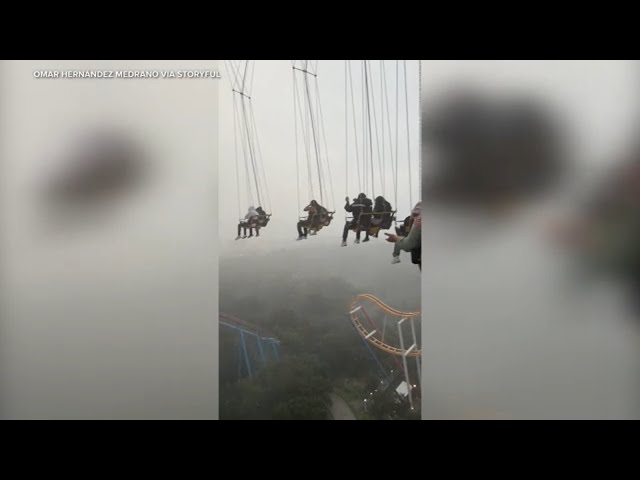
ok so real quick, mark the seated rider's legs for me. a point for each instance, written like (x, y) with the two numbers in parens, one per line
(377, 223)
(252, 223)
(347, 227)
(317, 222)
(302, 228)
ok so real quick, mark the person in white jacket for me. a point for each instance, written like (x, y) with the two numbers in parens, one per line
(249, 219)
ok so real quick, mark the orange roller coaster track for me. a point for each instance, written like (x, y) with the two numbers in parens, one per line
(357, 308)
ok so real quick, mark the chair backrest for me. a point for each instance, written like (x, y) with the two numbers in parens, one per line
(416, 256)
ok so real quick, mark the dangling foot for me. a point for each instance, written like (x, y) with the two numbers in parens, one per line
(357, 240)
(365, 240)
(344, 243)
(395, 260)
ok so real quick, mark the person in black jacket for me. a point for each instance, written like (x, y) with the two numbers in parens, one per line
(381, 217)
(361, 209)
(262, 220)
(316, 217)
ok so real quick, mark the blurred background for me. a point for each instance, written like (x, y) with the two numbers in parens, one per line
(531, 284)
(109, 211)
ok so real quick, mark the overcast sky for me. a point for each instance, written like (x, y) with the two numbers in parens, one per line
(272, 98)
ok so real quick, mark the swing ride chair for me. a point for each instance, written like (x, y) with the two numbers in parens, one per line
(400, 228)
(316, 227)
(257, 224)
(364, 222)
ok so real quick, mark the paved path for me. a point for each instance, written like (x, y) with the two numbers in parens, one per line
(340, 409)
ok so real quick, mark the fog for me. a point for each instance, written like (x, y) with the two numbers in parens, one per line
(303, 289)
(303, 295)
(366, 269)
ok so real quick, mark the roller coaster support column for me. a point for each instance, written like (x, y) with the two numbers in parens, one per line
(274, 345)
(264, 361)
(246, 355)
(415, 342)
(366, 343)
(404, 361)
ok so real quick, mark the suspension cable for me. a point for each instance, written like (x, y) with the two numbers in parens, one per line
(382, 97)
(394, 174)
(419, 130)
(307, 131)
(315, 140)
(375, 129)
(247, 160)
(243, 141)
(366, 70)
(406, 101)
(365, 174)
(355, 130)
(346, 131)
(251, 148)
(261, 169)
(235, 143)
(303, 121)
(319, 146)
(295, 122)
(326, 149)
(397, 115)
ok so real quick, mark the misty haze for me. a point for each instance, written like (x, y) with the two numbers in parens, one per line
(316, 130)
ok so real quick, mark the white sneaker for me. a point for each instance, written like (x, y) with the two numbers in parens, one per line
(344, 243)
(356, 241)
(395, 260)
